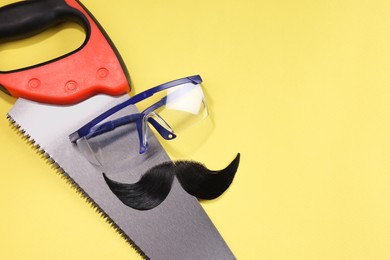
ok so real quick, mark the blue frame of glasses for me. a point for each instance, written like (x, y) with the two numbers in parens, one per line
(93, 128)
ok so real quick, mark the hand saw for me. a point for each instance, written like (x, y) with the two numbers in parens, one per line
(58, 96)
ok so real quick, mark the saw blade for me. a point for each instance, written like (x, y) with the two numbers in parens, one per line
(178, 228)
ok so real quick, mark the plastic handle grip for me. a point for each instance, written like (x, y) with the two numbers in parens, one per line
(95, 67)
(27, 18)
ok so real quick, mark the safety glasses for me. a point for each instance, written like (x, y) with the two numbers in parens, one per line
(170, 108)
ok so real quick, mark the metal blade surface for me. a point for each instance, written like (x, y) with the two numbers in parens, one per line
(178, 228)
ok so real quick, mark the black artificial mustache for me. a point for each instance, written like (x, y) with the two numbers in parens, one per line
(203, 183)
(152, 188)
(154, 185)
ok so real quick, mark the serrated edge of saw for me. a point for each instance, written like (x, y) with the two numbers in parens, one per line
(30, 141)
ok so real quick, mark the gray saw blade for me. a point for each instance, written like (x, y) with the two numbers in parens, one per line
(178, 228)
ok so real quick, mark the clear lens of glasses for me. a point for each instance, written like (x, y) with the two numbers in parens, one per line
(184, 106)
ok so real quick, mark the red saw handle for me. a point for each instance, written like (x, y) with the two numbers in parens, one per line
(95, 67)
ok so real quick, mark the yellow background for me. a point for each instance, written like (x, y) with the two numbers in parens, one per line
(300, 88)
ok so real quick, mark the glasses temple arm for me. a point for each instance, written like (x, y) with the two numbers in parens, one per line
(111, 125)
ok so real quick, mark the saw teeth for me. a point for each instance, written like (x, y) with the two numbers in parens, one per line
(73, 184)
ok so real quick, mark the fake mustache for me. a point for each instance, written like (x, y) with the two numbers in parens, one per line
(155, 184)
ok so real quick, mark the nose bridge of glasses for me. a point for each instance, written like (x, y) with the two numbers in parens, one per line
(158, 123)
(161, 126)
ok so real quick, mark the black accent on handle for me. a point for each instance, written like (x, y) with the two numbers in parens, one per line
(27, 18)
(3, 89)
